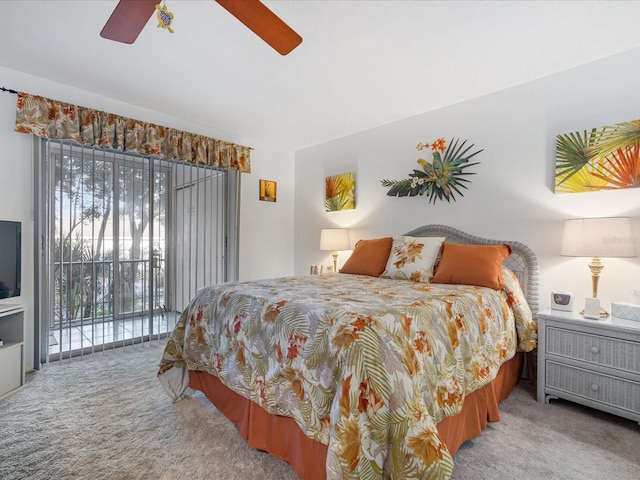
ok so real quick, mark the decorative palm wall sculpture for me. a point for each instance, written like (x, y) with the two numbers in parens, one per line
(443, 178)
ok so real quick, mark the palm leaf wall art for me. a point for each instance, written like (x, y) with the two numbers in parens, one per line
(441, 179)
(606, 158)
(340, 192)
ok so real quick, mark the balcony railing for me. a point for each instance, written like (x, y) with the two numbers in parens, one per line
(86, 292)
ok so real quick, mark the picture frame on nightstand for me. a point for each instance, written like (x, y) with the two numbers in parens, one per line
(562, 301)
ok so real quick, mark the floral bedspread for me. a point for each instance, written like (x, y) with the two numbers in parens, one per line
(366, 365)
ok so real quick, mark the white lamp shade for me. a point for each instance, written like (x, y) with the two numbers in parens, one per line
(334, 239)
(598, 237)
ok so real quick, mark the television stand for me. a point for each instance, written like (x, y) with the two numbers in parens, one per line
(12, 349)
(8, 307)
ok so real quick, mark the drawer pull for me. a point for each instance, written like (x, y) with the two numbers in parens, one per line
(595, 387)
(595, 349)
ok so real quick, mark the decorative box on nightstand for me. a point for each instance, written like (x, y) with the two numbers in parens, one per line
(592, 362)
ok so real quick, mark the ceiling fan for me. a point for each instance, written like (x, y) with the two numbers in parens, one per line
(130, 16)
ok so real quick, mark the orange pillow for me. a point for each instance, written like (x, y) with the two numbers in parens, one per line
(369, 257)
(472, 265)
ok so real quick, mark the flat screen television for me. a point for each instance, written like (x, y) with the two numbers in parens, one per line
(10, 258)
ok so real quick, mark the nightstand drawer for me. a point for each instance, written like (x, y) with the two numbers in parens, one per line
(612, 391)
(600, 350)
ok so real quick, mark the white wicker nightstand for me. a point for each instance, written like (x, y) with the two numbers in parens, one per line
(592, 362)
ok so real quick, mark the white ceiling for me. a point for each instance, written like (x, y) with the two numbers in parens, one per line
(361, 63)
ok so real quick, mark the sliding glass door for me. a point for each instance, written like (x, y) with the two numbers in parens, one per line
(126, 241)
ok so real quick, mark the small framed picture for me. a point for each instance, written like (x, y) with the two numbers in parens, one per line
(268, 190)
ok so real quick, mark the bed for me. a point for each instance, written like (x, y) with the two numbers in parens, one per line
(363, 376)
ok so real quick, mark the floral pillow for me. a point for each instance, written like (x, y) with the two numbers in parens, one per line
(412, 258)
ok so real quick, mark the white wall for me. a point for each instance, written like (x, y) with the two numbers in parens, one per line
(511, 197)
(266, 228)
(266, 238)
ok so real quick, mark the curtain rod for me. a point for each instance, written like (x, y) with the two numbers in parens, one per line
(8, 90)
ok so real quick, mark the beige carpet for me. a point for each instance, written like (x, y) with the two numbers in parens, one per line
(108, 418)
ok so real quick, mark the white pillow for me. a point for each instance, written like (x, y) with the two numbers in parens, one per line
(412, 258)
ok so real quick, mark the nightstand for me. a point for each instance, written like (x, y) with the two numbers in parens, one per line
(591, 362)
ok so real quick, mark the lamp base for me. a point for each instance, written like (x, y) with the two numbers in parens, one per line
(592, 309)
(603, 313)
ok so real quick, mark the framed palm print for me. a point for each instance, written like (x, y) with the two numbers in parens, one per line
(605, 158)
(340, 192)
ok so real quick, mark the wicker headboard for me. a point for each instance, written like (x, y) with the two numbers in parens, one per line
(522, 260)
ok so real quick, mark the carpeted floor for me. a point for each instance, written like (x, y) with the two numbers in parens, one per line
(108, 418)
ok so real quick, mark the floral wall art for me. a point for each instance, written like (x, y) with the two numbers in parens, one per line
(340, 192)
(443, 178)
(605, 158)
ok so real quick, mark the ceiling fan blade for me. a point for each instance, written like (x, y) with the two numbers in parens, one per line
(264, 23)
(128, 19)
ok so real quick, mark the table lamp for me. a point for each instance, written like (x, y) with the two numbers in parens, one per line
(334, 239)
(598, 237)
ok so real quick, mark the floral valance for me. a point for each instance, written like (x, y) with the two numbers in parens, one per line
(48, 118)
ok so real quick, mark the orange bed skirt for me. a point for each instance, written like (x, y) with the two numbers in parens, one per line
(281, 436)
